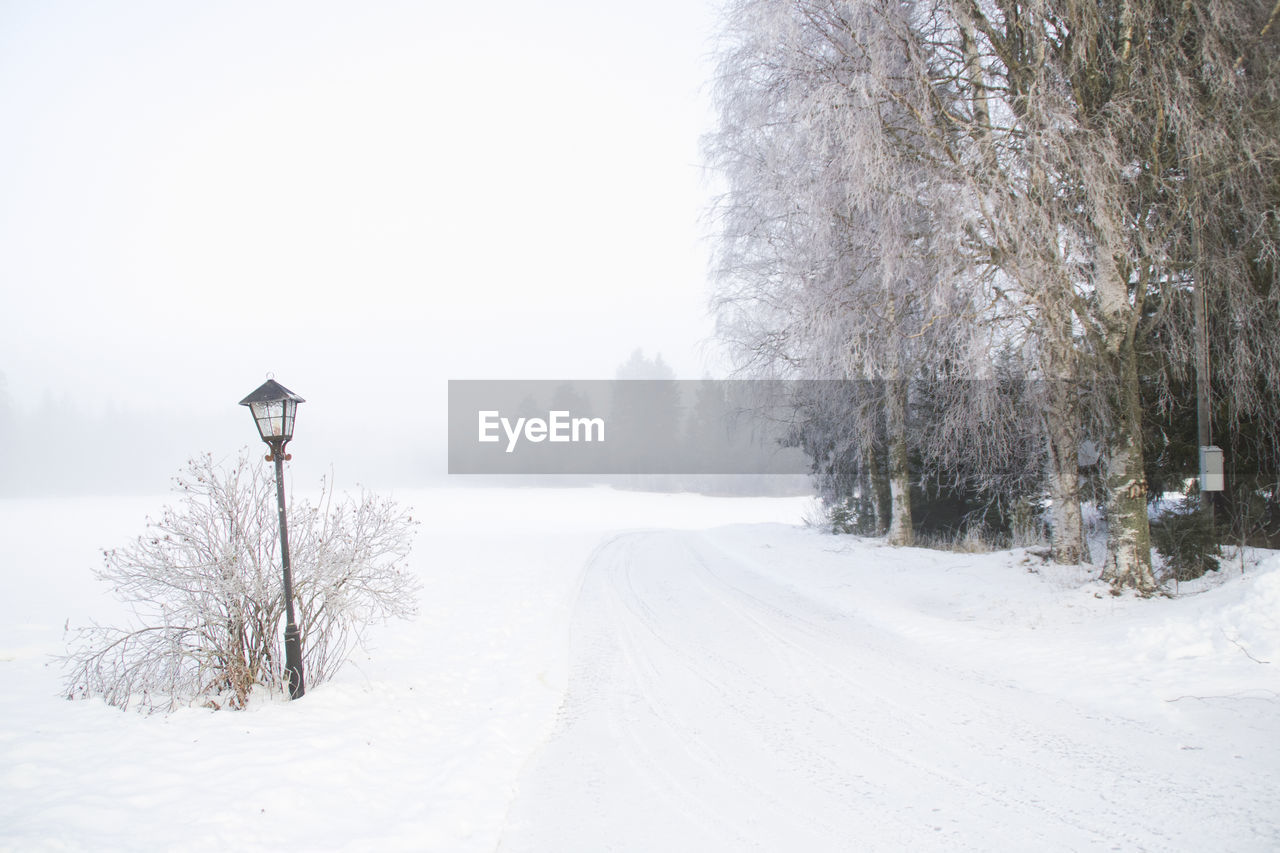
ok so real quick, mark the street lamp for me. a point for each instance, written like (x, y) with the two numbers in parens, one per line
(273, 407)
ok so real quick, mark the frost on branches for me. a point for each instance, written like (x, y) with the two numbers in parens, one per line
(950, 196)
(204, 586)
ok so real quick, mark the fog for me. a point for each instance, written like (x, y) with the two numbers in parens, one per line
(364, 200)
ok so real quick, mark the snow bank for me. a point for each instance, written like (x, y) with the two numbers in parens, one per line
(1237, 618)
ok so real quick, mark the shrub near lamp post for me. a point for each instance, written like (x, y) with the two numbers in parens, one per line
(273, 407)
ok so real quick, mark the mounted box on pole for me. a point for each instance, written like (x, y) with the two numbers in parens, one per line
(1211, 478)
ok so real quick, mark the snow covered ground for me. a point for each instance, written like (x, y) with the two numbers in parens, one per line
(599, 670)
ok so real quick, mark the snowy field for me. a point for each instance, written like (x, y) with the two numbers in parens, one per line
(600, 670)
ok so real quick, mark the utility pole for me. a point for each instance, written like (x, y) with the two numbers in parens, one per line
(1210, 457)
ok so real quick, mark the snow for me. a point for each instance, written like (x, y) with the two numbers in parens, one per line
(595, 669)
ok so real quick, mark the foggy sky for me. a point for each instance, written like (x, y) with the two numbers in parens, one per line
(364, 199)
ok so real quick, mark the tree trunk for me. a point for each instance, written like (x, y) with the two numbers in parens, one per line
(881, 492)
(900, 530)
(1062, 438)
(1128, 532)
(1066, 522)
(1128, 563)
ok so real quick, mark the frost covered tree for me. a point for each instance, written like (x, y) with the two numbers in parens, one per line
(1094, 159)
(848, 244)
(1101, 208)
(1196, 110)
(206, 592)
(830, 266)
(1139, 98)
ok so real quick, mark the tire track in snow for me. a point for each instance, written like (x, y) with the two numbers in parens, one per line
(895, 701)
(734, 695)
(1095, 778)
(713, 706)
(818, 688)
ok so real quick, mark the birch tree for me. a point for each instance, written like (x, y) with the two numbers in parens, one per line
(829, 266)
(1103, 164)
(1176, 109)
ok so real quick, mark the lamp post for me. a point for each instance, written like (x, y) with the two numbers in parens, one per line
(273, 407)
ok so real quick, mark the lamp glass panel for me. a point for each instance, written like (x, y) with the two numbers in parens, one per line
(274, 418)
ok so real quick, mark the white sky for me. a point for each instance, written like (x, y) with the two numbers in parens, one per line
(364, 198)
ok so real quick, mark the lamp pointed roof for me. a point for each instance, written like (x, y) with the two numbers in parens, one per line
(269, 392)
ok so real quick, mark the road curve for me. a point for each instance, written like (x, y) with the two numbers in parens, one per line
(713, 704)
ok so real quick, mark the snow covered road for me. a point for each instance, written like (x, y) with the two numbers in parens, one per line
(597, 670)
(725, 695)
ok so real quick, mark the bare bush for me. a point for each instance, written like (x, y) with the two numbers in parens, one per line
(205, 590)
